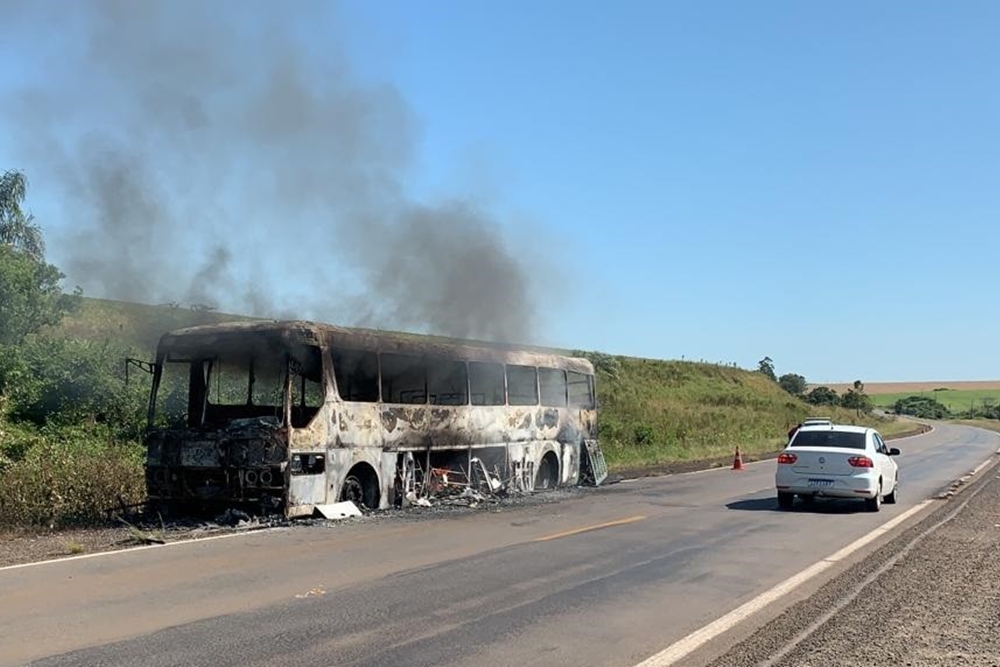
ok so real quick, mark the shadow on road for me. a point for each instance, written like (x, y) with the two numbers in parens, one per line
(820, 506)
(755, 505)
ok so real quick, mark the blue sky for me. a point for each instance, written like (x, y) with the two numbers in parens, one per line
(814, 181)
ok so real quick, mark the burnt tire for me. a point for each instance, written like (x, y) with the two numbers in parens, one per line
(361, 488)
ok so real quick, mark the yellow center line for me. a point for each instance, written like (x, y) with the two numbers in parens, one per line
(586, 529)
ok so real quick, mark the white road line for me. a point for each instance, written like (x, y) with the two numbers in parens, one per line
(981, 466)
(142, 548)
(682, 648)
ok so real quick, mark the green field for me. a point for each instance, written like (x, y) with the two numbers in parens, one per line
(956, 400)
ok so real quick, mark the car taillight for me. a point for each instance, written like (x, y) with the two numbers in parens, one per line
(787, 458)
(861, 462)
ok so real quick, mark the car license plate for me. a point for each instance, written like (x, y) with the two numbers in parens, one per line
(820, 482)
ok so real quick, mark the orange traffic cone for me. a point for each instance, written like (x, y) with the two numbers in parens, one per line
(738, 459)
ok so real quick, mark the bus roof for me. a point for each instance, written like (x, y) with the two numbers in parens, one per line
(300, 332)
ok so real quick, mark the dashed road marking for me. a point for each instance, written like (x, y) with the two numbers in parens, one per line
(587, 529)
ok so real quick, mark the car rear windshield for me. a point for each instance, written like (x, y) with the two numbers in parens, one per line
(845, 439)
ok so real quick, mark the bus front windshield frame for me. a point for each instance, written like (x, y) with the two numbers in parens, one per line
(213, 390)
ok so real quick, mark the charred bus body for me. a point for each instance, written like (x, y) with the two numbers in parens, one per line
(291, 416)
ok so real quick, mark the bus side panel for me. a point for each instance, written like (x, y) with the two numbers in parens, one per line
(440, 427)
(307, 485)
(569, 463)
(357, 425)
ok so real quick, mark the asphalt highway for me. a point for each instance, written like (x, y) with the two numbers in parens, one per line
(607, 577)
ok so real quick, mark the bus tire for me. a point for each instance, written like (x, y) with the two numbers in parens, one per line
(548, 472)
(361, 487)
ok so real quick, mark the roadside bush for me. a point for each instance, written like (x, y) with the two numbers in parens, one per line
(921, 406)
(16, 440)
(644, 434)
(69, 476)
(793, 383)
(823, 396)
(66, 381)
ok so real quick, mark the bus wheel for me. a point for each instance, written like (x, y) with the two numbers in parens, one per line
(548, 472)
(361, 487)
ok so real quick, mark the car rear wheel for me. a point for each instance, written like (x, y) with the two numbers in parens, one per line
(891, 498)
(875, 504)
(785, 500)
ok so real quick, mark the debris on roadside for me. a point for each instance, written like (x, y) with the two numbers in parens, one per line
(455, 485)
(340, 510)
(233, 517)
(141, 536)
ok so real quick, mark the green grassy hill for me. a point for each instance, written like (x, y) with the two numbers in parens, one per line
(136, 324)
(652, 411)
(658, 412)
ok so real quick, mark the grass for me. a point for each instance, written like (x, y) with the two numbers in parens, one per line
(72, 547)
(956, 400)
(64, 476)
(135, 324)
(657, 412)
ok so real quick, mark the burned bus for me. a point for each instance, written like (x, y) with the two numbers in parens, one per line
(294, 416)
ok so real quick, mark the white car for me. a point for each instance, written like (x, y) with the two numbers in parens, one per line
(837, 461)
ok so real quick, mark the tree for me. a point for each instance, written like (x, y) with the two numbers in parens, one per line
(792, 383)
(17, 229)
(857, 399)
(30, 296)
(823, 396)
(766, 367)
